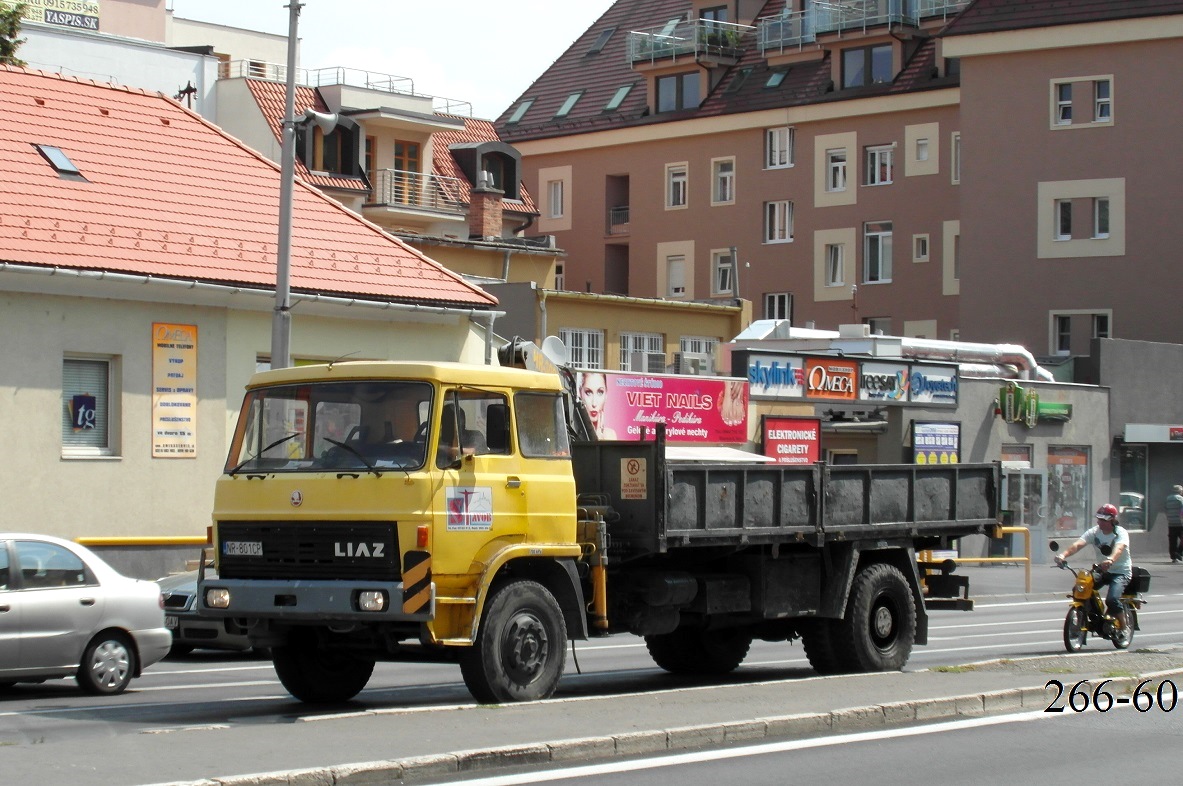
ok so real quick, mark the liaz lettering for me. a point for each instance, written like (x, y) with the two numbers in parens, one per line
(371, 550)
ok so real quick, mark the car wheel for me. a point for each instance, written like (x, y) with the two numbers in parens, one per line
(108, 664)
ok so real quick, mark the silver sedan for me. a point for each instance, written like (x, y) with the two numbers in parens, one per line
(64, 612)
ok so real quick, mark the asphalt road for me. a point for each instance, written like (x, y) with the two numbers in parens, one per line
(211, 714)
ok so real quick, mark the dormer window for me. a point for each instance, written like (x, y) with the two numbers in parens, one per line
(866, 65)
(677, 91)
(337, 152)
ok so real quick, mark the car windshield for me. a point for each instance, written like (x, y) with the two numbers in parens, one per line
(368, 425)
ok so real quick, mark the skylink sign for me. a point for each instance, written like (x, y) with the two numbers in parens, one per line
(815, 378)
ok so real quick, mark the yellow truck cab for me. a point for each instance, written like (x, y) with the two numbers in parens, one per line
(393, 492)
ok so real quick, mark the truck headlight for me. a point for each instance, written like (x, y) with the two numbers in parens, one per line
(371, 600)
(217, 598)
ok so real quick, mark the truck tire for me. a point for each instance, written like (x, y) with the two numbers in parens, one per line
(817, 637)
(700, 652)
(879, 627)
(316, 676)
(520, 647)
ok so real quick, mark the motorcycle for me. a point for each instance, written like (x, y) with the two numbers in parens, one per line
(1088, 614)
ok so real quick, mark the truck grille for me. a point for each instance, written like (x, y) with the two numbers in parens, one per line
(366, 551)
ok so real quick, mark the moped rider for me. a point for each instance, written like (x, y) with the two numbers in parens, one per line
(1114, 564)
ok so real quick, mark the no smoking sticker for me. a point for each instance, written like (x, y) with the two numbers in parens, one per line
(633, 479)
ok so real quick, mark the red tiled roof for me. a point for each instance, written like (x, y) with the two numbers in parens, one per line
(447, 166)
(993, 16)
(168, 194)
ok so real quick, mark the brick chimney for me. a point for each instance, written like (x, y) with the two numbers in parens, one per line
(484, 213)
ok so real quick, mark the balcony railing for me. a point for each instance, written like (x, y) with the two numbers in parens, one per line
(843, 15)
(397, 187)
(701, 38)
(618, 220)
(787, 31)
(347, 77)
(942, 8)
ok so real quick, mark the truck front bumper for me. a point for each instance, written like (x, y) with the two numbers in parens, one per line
(310, 600)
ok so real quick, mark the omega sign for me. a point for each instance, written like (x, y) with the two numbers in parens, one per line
(829, 378)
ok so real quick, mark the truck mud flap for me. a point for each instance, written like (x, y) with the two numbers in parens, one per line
(416, 582)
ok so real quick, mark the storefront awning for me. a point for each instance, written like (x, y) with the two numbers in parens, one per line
(1152, 432)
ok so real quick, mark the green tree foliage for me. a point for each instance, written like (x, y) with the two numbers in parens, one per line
(10, 27)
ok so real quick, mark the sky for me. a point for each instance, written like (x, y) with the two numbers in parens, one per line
(486, 52)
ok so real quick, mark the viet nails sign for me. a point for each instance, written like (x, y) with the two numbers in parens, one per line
(693, 409)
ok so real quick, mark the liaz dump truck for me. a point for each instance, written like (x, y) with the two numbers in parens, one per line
(371, 510)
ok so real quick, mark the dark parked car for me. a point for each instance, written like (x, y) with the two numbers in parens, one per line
(66, 613)
(191, 631)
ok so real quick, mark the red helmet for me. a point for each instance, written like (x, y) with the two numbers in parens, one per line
(1107, 512)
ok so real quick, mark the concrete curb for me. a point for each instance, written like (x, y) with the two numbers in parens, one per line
(420, 769)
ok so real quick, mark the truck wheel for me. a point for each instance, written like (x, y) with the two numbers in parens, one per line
(316, 676)
(879, 627)
(520, 647)
(701, 652)
(817, 637)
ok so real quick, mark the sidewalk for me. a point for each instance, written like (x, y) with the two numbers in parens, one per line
(387, 746)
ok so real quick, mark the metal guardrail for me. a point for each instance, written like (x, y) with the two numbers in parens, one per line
(699, 37)
(1026, 560)
(395, 187)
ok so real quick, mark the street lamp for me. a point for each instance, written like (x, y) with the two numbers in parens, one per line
(281, 321)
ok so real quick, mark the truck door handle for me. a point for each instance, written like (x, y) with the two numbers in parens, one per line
(86, 601)
(513, 482)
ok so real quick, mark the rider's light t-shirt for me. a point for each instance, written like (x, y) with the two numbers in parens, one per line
(1096, 538)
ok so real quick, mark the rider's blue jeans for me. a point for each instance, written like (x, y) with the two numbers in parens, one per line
(1117, 583)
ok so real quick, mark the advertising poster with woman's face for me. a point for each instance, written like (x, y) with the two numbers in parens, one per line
(693, 409)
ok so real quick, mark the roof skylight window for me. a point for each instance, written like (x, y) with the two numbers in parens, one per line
(520, 112)
(569, 104)
(775, 78)
(618, 98)
(58, 160)
(601, 41)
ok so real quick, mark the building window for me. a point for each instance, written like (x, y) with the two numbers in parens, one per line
(1101, 217)
(723, 181)
(778, 148)
(701, 345)
(1102, 101)
(776, 77)
(675, 267)
(677, 91)
(957, 257)
(1063, 103)
(560, 276)
(1100, 326)
(919, 248)
(87, 403)
(554, 199)
(879, 165)
(520, 112)
(569, 104)
(778, 221)
(675, 185)
(921, 149)
(778, 305)
(835, 264)
(836, 170)
(646, 343)
(722, 273)
(1063, 335)
(618, 98)
(601, 41)
(877, 252)
(585, 348)
(955, 152)
(868, 65)
(1063, 219)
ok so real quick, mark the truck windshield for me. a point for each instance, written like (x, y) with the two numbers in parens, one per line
(359, 425)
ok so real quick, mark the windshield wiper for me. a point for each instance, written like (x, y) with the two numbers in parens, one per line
(354, 451)
(249, 459)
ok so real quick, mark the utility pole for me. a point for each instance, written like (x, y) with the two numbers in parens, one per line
(281, 322)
